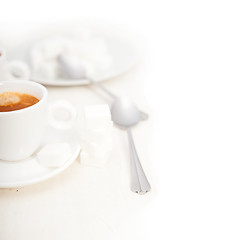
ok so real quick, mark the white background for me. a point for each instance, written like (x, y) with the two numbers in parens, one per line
(191, 87)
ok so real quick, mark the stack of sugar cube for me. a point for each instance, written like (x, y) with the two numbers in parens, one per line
(90, 51)
(97, 135)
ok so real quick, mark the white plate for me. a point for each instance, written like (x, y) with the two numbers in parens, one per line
(123, 54)
(29, 171)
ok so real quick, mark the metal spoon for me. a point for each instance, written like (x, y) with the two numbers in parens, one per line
(72, 69)
(125, 114)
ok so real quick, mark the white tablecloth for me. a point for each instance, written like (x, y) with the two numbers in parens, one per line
(85, 202)
(188, 147)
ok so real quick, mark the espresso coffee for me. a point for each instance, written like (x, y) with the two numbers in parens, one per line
(11, 101)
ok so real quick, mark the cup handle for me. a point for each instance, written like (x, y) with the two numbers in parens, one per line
(19, 70)
(62, 114)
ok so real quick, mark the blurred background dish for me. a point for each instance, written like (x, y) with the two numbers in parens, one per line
(102, 53)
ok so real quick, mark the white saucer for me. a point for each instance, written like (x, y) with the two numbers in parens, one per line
(29, 171)
(123, 54)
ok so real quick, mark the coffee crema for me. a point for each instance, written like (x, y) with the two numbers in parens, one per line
(11, 101)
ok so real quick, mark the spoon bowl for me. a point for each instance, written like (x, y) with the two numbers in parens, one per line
(124, 112)
(71, 68)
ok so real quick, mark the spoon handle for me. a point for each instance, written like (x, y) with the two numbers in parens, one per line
(139, 182)
(102, 88)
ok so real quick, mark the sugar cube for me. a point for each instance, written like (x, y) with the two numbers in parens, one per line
(47, 70)
(97, 116)
(96, 135)
(97, 148)
(36, 57)
(94, 161)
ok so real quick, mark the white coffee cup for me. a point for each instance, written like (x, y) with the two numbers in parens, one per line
(21, 131)
(13, 70)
